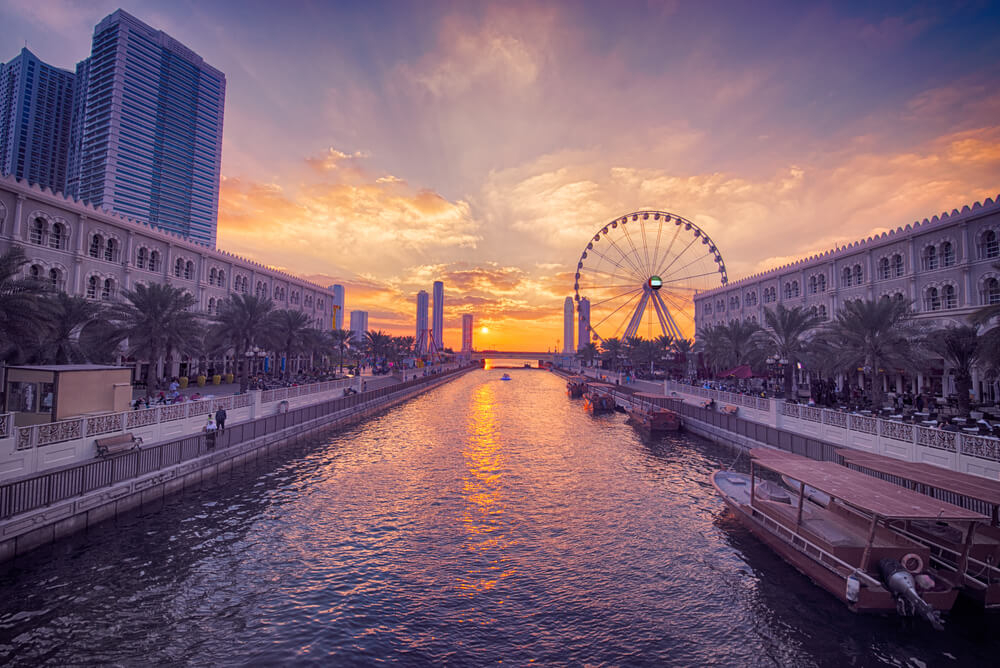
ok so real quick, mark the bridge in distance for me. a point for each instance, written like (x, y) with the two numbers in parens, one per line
(515, 355)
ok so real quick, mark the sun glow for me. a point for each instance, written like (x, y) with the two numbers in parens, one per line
(484, 330)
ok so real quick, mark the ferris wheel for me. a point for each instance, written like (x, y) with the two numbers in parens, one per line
(638, 276)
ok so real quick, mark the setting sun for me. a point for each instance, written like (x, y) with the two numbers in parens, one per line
(484, 330)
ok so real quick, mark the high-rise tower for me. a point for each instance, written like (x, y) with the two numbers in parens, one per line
(421, 344)
(568, 326)
(149, 130)
(438, 322)
(467, 333)
(338, 305)
(359, 325)
(36, 113)
(583, 311)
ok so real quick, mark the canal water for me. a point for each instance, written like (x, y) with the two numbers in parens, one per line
(484, 522)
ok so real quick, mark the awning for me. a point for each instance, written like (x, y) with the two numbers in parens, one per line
(743, 371)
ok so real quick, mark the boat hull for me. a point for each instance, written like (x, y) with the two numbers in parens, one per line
(657, 420)
(783, 541)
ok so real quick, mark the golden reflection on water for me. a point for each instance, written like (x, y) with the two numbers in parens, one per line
(482, 487)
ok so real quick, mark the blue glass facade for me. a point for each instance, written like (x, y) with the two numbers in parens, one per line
(36, 103)
(147, 136)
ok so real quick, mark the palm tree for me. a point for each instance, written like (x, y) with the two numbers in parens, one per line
(728, 346)
(873, 336)
(786, 337)
(157, 322)
(682, 349)
(612, 350)
(341, 339)
(61, 341)
(242, 323)
(588, 352)
(21, 303)
(287, 332)
(377, 343)
(961, 348)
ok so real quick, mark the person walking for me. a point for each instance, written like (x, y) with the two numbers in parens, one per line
(211, 431)
(220, 418)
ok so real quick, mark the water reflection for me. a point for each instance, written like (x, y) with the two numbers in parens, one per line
(482, 488)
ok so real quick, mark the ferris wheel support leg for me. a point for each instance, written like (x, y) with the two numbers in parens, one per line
(671, 327)
(633, 325)
(659, 307)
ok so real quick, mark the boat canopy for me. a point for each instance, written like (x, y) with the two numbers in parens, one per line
(937, 477)
(868, 494)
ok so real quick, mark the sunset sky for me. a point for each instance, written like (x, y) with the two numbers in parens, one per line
(385, 145)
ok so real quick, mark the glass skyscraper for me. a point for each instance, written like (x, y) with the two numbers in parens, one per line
(147, 136)
(36, 107)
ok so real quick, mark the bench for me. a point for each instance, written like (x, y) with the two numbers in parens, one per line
(110, 445)
(730, 410)
(705, 403)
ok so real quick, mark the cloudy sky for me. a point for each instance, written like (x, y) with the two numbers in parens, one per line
(385, 145)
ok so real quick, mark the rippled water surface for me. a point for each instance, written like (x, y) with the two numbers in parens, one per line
(483, 522)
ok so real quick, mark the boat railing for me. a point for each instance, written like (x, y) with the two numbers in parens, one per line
(826, 558)
(937, 549)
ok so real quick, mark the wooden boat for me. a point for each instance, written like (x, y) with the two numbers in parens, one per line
(846, 547)
(506, 376)
(576, 386)
(598, 399)
(980, 578)
(646, 411)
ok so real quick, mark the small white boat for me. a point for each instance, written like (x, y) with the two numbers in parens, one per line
(505, 377)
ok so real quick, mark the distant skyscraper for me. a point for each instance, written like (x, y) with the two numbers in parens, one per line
(467, 333)
(338, 305)
(36, 113)
(438, 323)
(150, 129)
(583, 334)
(420, 342)
(359, 324)
(568, 326)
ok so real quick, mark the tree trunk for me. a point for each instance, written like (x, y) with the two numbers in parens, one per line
(241, 369)
(788, 381)
(963, 385)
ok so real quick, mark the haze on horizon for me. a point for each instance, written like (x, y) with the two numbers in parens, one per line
(385, 145)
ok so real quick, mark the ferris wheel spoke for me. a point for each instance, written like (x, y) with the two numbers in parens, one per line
(680, 309)
(625, 256)
(609, 299)
(680, 269)
(707, 273)
(678, 256)
(596, 287)
(666, 251)
(645, 245)
(607, 259)
(605, 318)
(635, 251)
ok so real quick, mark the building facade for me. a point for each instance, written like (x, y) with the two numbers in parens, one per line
(36, 113)
(945, 266)
(467, 333)
(338, 305)
(437, 324)
(96, 254)
(148, 129)
(359, 325)
(421, 344)
(568, 326)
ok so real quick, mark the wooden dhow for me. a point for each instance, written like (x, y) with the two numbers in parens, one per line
(576, 386)
(598, 398)
(649, 412)
(847, 547)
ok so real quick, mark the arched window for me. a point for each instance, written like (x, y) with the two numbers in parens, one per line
(111, 251)
(897, 265)
(96, 244)
(58, 236)
(154, 260)
(989, 248)
(55, 279)
(858, 275)
(221, 280)
(92, 287)
(812, 285)
(930, 258)
(35, 272)
(179, 268)
(822, 312)
(37, 232)
(189, 270)
(884, 270)
(991, 292)
(821, 282)
(108, 291)
(845, 279)
(932, 300)
(949, 298)
(947, 254)
(211, 304)
(720, 305)
(211, 276)
(898, 297)
(140, 258)
(795, 288)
